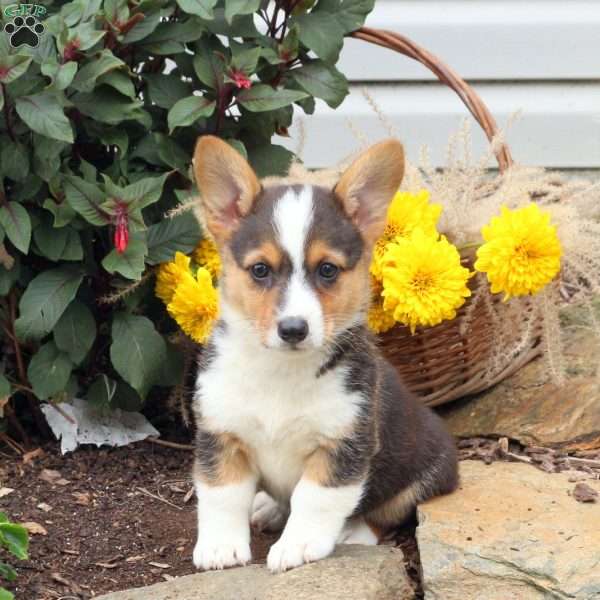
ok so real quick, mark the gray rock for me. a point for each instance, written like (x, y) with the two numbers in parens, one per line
(510, 532)
(352, 573)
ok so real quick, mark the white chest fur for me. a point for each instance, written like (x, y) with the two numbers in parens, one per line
(273, 401)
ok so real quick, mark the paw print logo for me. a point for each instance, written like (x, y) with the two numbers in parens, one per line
(24, 32)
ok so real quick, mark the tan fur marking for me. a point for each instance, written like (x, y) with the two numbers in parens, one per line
(253, 303)
(395, 510)
(267, 252)
(369, 184)
(318, 465)
(345, 298)
(319, 251)
(234, 463)
(228, 186)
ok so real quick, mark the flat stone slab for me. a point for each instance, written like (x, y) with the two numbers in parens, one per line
(530, 408)
(352, 573)
(510, 532)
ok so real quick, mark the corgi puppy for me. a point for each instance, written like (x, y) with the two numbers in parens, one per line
(302, 425)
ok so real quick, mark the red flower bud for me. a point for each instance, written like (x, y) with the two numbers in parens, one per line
(121, 228)
(71, 51)
(240, 79)
(121, 238)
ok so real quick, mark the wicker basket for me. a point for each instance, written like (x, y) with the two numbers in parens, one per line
(452, 360)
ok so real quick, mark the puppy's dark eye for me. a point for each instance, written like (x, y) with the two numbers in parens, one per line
(328, 271)
(260, 271)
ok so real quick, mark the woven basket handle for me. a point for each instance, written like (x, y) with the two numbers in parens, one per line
(470, 98)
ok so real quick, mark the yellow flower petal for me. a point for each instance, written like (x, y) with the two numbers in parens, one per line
(424, 282)
(406, 212)
(521, 253)
(206, 255)
(169, 274)
(195, 304)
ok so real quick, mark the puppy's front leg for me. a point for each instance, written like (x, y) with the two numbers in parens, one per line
(225, 487)
(321, 502)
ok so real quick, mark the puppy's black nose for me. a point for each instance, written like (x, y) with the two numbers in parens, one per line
(292, 329)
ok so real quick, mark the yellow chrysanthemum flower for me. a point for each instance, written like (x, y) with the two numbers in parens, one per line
(406, 212)
(195, 304)
(423, 280)
(378, 319)
(169, 275)
(521, 253)
(206, 255)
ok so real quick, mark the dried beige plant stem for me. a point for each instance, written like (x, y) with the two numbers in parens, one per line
(181, 209)
(386, 123)
(126, 291)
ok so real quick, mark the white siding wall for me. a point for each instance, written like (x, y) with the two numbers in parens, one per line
(540, 58)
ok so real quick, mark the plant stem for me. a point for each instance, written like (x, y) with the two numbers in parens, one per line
(9, 127)
(469, 245)
(36, 413)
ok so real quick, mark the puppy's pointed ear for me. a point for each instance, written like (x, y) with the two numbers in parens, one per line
(228, 185)
(367, 187)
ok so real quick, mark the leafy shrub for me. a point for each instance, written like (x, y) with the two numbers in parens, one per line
(97, 130)
(13, 538)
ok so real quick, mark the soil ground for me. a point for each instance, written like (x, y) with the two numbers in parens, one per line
(114, 519)
(110, 519)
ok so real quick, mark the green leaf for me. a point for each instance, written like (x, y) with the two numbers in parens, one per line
(61, 74)
(140, 194)
(105, 62)
(143, 29)
(108, 106)
(8, 573)
(322, 34)
(270, 159)
(46, 156)
(15, 161)
(15, 539)
(4, 387)
(247, 59)
(322, 81)
(49, 371)
(43, 114)
(350, 14)
(120, 81)
(189, 110)
(171, 153)
(263, 97)
(101, 392)
(44, 301)
(12, 67)
(17, 225)
(63, 213)
(240, 7)
(166, 90)
(8, 277)
(75, 331)
(169, 38)
(86, 199)
(87, 35)
(201, 8)
(130, 263)
(5, 594)
(58, 244)
(180, 233)
(209, 65)
(137, 351)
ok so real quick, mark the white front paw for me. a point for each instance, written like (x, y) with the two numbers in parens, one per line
(295, 550)
(214, 553)
(267, 515)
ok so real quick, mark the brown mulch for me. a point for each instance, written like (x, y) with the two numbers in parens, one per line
(103, 520)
